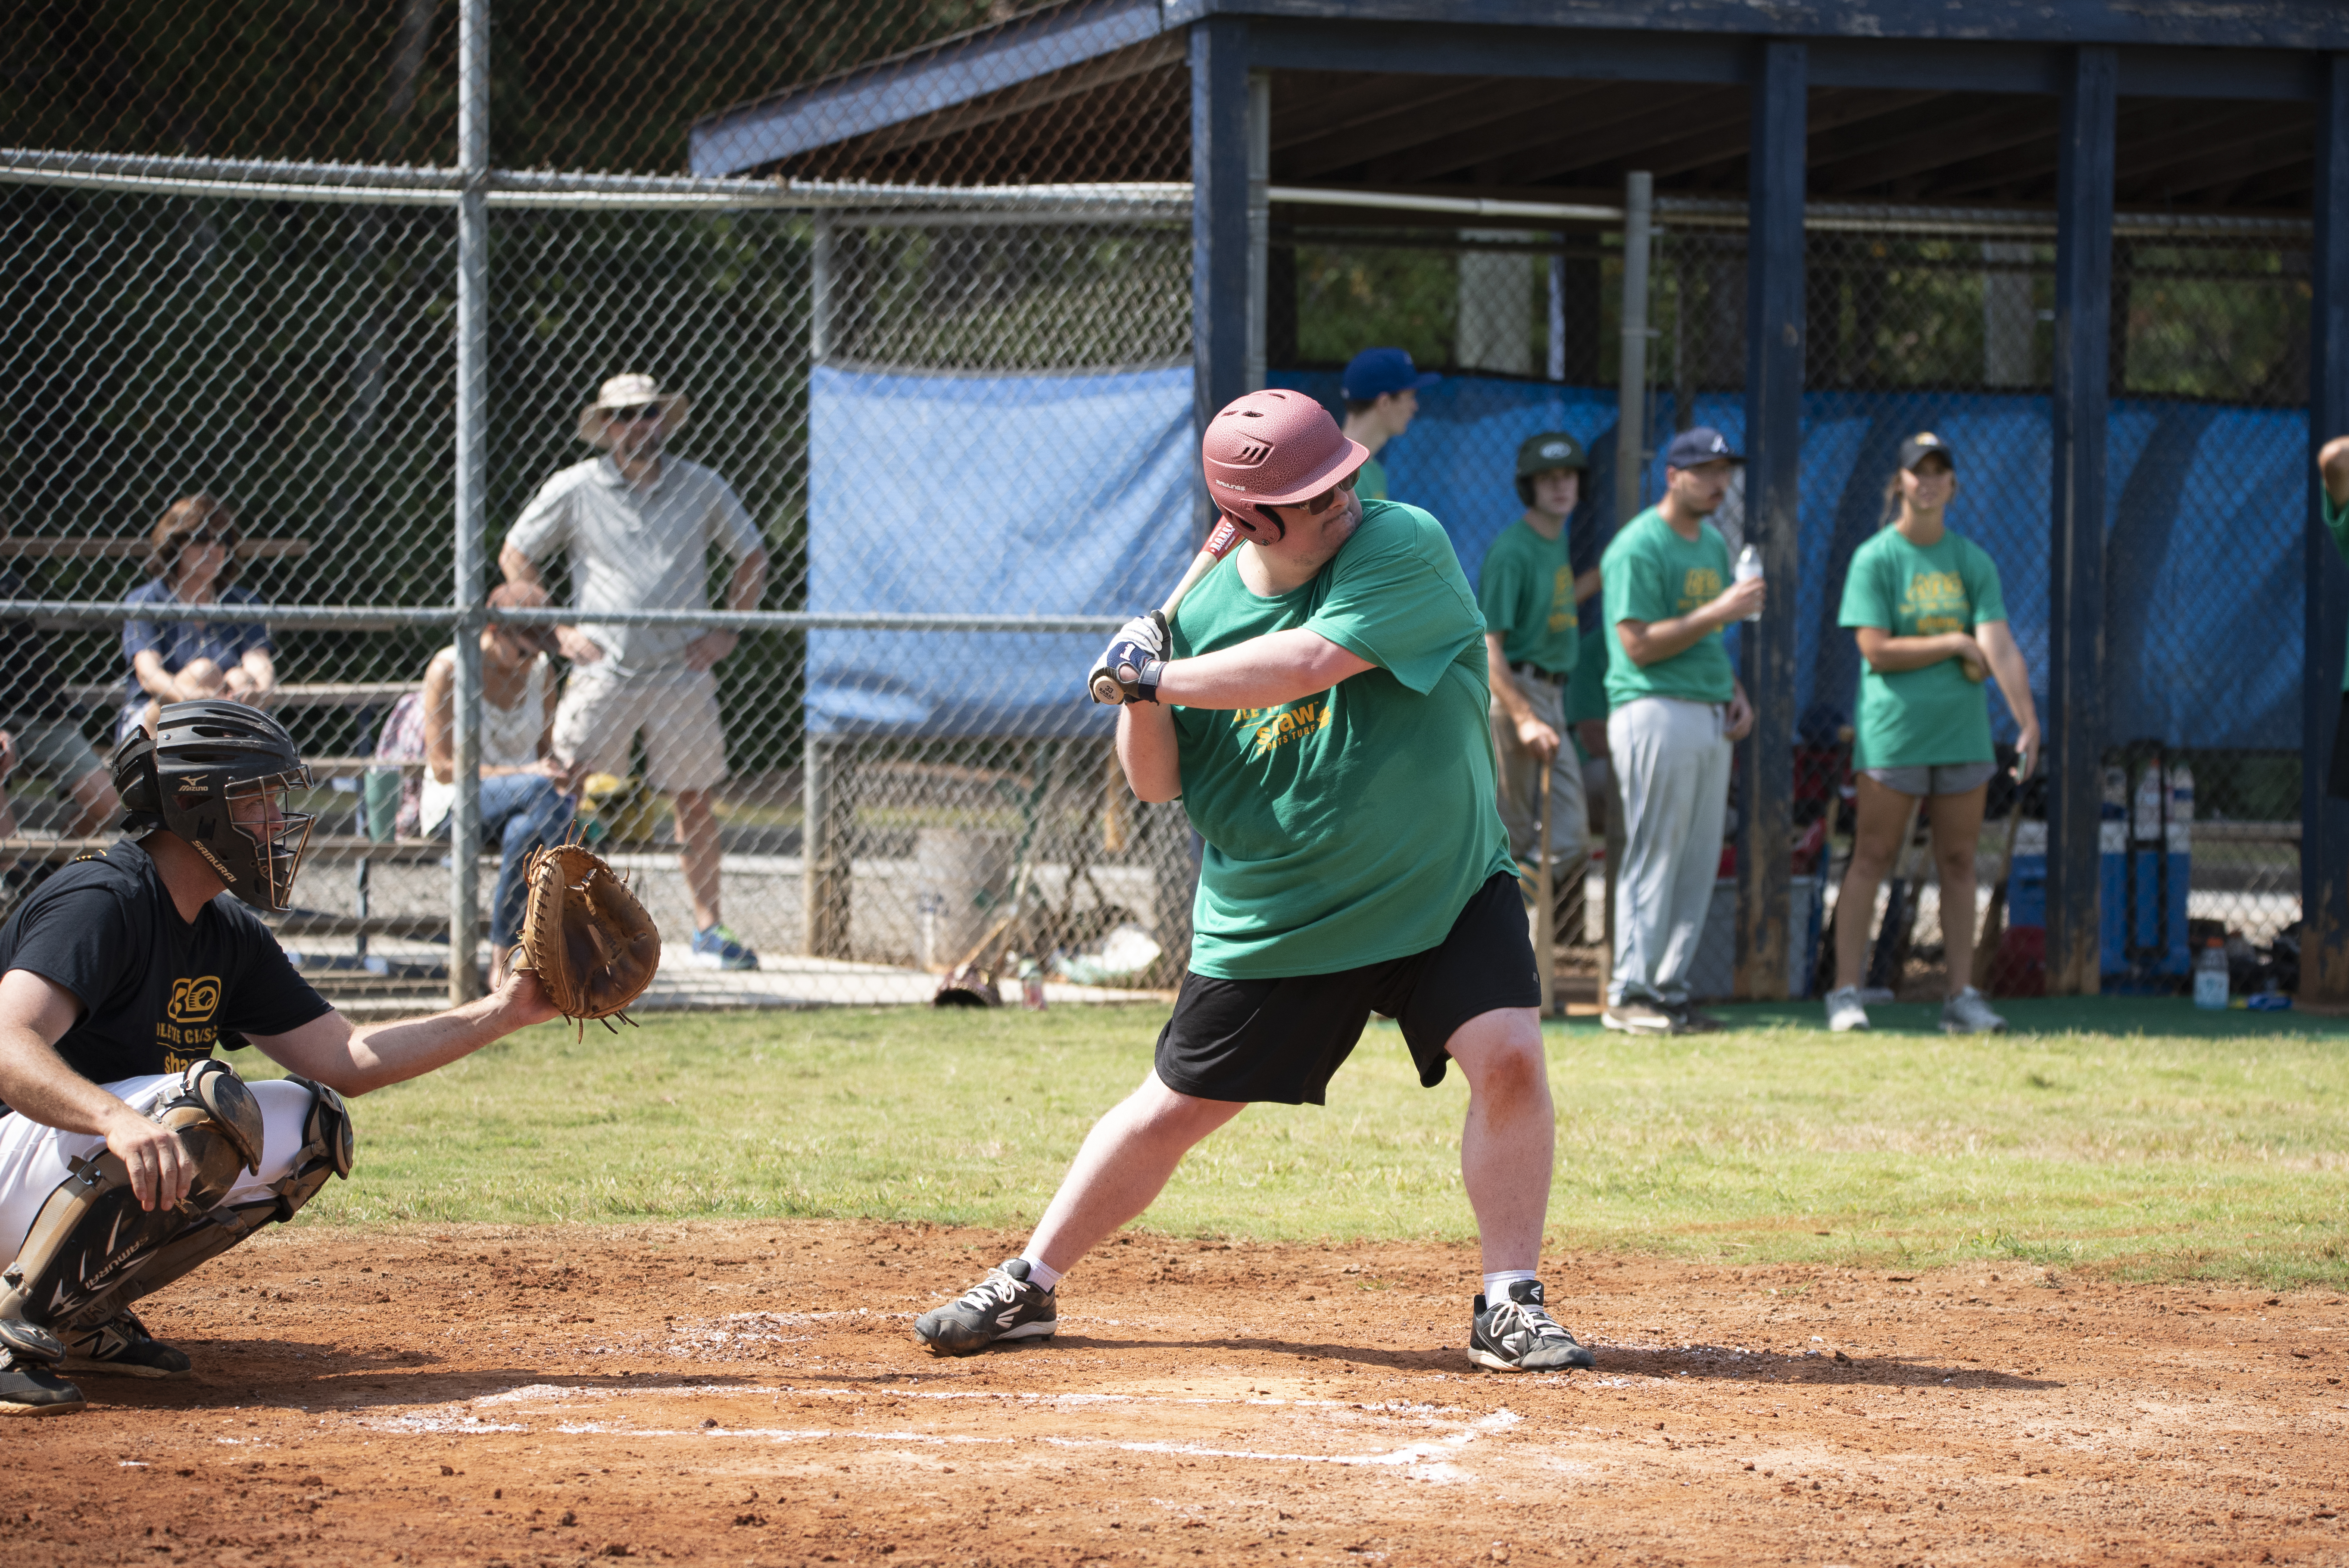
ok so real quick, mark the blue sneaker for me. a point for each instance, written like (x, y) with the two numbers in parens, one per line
(716, 947)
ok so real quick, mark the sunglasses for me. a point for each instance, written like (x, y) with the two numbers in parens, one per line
(640, 412)
(1326, 499)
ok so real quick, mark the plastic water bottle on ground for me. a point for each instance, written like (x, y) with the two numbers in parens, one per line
(2211, 976)
(1749, 567)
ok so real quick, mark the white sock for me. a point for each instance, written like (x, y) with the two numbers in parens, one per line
(1041, 1274)
(1497, 1284)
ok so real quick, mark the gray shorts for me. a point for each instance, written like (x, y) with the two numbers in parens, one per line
(1945, 779)
(51, 748)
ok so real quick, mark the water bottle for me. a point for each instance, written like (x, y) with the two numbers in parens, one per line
(1749, 567)
(2147, 827)
(2211, 976)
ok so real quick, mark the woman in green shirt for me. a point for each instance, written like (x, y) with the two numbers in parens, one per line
(1925, 607)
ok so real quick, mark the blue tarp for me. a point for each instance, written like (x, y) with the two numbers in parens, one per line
(1073, 494)
(998, 494)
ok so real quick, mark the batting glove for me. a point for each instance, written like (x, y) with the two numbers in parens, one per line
(1134, 658)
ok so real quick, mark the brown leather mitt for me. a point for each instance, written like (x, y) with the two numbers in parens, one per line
(589, 943)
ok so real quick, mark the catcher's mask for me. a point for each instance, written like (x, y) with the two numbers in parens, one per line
(216, 773)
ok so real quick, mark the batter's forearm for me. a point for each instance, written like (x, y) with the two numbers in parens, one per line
(1148, 752)
(1263, 671)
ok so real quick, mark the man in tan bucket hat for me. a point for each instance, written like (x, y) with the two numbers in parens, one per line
(638, 526)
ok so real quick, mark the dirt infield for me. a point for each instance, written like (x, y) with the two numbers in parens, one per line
(751, 1393)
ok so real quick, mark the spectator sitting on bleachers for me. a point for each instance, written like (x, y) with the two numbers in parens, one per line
(522, 806)
(192, 559)
(38, 731)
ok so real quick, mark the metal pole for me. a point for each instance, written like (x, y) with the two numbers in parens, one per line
(1774, 305)
(1631, 384)
(468, 590)
(1259, 218)
(2325, 821)
(1630, 466)
(2075, 592)
(822, 919)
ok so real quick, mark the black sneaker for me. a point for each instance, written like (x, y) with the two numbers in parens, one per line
(29, 1385)
(1518, 1335)
(123, 1346)
(1003, 1306)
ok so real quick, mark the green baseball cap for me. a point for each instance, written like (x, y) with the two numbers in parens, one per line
(1551, 449)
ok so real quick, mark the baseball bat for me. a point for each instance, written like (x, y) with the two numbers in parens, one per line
(1219, 544)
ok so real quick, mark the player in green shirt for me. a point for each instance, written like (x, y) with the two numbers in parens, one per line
(1531, 599)
(2332, 463)
(1318, 707)
(1925, 608)
(1675, 707)
(1381, 388)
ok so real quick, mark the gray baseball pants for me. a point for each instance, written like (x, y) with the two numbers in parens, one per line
(1672, 760)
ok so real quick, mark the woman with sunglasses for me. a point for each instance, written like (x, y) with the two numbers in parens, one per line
(1924, 605)
(191, 559)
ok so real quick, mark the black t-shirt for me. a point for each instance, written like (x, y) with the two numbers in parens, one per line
(157, 992)
(29, 684)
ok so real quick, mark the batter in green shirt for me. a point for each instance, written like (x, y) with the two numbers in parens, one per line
(1351, 826)
(1527, 592)
(1652, 573)
(1931, 717)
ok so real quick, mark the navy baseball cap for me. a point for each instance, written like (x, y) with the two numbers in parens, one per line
(1925, 444)
(1702, 444)
(1375, 372)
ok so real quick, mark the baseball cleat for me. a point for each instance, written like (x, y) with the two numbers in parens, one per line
(1518, 1335)
(29, 1385)
(1846, 1011)
(1003, 1306)
(121, 1345)
(1967, 1014)
(1633, 1016)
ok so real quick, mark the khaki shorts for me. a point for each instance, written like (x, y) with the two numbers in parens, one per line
(675, 711)
(1940, 778)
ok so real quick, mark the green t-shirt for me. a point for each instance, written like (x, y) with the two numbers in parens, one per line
(1352, 826)
(1586, 695)
(1371, 480)
(1651, 573)
(1929, 716)
(2337, 520)
(1526, 592)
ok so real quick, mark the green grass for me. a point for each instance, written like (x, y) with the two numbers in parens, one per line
(2136, 1138)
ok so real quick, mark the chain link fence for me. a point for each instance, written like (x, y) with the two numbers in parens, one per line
(952, 397)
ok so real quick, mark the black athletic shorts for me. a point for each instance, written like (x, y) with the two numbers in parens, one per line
(1282, 1040)
(2336, 781)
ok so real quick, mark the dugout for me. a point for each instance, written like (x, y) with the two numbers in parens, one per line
(2153, 195)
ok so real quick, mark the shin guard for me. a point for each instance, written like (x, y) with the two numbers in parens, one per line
(91, 1236)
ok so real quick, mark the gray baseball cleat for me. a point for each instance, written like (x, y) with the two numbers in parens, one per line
(1518, 1335)
(1003, 1306)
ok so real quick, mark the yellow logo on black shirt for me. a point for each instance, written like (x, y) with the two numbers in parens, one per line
(187, 1032)
(194, 1001)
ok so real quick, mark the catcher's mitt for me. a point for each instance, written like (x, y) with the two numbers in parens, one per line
(589, 943)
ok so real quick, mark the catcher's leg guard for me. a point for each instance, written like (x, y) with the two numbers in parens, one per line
(91, 1234)
(326, 1150)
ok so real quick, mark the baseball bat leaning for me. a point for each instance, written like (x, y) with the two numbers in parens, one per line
(1219, 544)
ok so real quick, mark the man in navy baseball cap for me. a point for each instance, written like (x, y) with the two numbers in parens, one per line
(1698, 445)
(1381, 388)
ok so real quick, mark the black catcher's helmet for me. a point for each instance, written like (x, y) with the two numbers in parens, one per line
(216, 774)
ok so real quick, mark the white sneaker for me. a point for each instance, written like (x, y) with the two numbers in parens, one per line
(1967, 1014)
(1845, 1010)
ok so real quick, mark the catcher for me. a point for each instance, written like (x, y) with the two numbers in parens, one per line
(128, 1153)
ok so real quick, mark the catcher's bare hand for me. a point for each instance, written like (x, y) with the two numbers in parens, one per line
(524, 1001)
(158, 1161)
